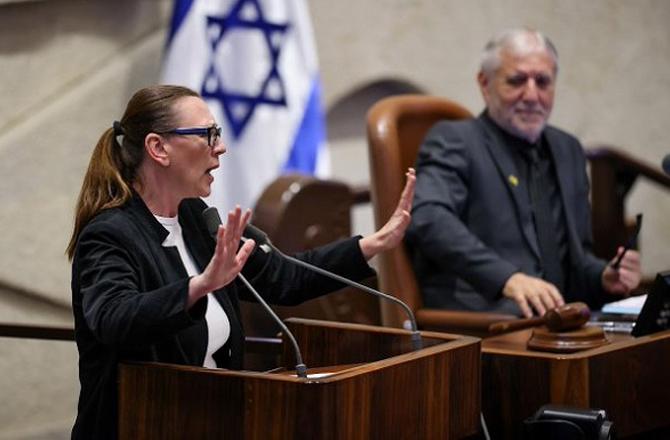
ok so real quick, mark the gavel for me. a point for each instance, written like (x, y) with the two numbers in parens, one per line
(564, 318)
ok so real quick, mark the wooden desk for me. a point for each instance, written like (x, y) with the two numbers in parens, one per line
(378, 388)
(628, 378)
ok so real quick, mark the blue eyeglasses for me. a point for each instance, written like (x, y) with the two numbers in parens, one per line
(213, 133)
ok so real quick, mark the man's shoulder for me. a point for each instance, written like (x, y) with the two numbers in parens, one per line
(456, 130)
(457, 125)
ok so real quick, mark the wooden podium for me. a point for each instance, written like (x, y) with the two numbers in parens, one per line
(364, 382)
(628, 378)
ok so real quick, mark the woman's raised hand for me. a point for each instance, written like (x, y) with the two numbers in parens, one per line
(227, 261)
(392, 233)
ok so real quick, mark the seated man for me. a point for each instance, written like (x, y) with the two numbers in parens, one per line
(501, 217)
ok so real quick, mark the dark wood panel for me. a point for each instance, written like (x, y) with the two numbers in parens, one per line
(633, 385)
(425, 394)
(628, 378)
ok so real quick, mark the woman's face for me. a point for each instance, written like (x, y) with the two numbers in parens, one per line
(192, 160)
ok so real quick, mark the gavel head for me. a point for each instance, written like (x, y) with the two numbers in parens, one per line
(567, 317)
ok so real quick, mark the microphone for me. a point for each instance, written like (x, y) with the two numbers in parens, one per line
(666, 164)
(262, 239)
(212, 220)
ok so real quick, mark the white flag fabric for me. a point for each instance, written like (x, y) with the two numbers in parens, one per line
(255, 63)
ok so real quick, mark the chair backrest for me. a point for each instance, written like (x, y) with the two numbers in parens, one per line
(396, 127)
(300, 212)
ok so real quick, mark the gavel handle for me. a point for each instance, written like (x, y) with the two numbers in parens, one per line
(507, 326)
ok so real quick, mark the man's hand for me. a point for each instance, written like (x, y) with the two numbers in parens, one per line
(533, 292)
(626, 278)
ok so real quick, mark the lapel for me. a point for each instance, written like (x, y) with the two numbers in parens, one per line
(565, 177)
(166, 262)
(191, 342)
(198, 243)
(508, 171)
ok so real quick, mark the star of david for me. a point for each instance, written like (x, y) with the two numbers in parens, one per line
(239, 107)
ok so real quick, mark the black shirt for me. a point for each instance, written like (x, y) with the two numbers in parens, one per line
(520, 152)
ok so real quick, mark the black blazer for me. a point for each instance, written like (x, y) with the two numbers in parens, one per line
(472, 226)
(129, 298)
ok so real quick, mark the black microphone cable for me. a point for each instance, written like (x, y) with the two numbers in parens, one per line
(262, 239)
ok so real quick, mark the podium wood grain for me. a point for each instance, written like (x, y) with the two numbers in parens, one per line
(628, 378)
(380, 389)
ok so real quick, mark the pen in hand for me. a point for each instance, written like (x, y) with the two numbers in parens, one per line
(630, 243)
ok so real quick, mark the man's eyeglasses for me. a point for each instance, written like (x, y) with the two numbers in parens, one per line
(213, 133)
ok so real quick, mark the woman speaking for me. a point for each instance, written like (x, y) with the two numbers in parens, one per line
(148, 281)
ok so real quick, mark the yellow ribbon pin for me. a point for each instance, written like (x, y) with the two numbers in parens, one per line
(513, 180)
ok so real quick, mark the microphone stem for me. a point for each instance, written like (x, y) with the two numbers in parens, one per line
(300, 368)
(416, 336)
(213, 220)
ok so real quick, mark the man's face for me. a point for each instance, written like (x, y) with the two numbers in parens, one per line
(520, 94)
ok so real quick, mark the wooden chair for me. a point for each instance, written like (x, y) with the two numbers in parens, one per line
(396, 127)
(300, 212)
(613, 174)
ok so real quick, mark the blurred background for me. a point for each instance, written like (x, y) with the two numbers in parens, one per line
(68, 67)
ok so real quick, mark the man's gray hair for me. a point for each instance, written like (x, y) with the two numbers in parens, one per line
(517, 41)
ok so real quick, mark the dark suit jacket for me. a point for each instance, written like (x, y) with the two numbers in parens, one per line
(472, 225)
(129, 298)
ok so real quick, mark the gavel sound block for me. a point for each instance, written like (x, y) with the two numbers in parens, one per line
(562, 329)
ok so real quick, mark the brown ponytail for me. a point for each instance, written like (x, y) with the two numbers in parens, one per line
(113, 167)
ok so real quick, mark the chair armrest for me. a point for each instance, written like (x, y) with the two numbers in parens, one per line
(619, 160)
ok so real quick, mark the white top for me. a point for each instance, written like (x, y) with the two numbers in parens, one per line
(218, 325)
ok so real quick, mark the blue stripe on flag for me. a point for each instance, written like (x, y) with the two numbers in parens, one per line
(181, 8)
(310, 135)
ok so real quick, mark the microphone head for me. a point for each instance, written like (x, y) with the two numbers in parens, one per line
(260, 237)
(212, 220)
(666, 164)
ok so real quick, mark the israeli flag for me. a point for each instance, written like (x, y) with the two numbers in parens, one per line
(254, 62)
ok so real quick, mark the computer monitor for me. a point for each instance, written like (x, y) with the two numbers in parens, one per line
(655, 314)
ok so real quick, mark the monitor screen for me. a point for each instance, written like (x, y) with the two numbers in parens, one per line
(655, 314)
